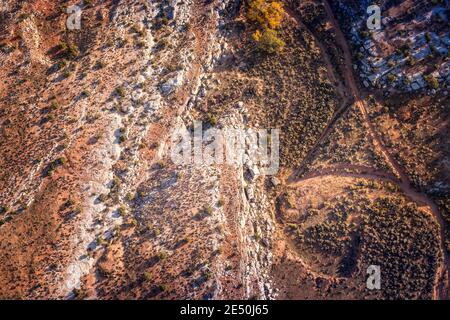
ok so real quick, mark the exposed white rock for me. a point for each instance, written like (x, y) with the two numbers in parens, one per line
(172, 84)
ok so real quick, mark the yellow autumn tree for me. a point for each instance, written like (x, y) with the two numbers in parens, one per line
(257, 35)
(269, 14)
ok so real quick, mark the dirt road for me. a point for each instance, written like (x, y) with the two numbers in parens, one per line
(441, 281)
(405, 185)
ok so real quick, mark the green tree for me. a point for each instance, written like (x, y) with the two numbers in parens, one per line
(269, 41)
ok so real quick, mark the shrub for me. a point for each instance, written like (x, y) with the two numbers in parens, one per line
(70, 203)
(406, 50)
(268, 41)
(411, 61)
(212, 119)
(163, 43)
(103, 197)
(162, 255)
(120, 92)
(62, 64)
(101, 241)
(23, 16)
(208, 210)
(141, 194)
(122, 211)
(141, 44)
(3, 210)
(432, 82)
(54, 105)
(130, 196)
(147, 276)
(72, 51)
(136, 29)
(363, 34)
(79, 294)
(391, 77)
(257, 35)
(162, 287)
(116, 184)
(48, 171)
(100, 64)
(172, 67)
(5, 48)
(62, 46)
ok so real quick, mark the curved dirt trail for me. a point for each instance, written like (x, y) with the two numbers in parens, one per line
(441, 281)
(343, 171)
(308, 268)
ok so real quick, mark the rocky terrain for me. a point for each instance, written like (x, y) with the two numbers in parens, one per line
(93, 205)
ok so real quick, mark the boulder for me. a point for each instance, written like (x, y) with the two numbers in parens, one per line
(250, 193)
(172, 84)
(275, 181)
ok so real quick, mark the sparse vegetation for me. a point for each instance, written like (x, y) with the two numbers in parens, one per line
(48, 171)
(396, 235)
(69, 50)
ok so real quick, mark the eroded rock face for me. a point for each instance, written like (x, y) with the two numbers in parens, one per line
(172, 84)
(96, 206)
